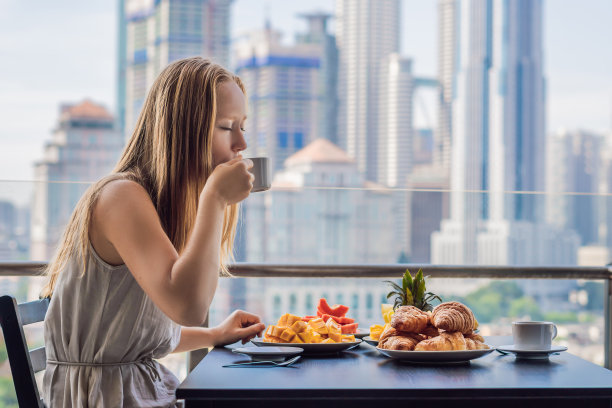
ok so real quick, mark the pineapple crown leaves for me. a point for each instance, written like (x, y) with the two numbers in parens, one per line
(412, 292)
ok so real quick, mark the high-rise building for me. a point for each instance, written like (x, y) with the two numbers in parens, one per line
(428, 204)
(283, 88)
(395, 134)
(367, 31)
(153, 33)
(310, 218)
(85, 146)
(328, 72)
(575, 164)
(498, 141)
(447, 54)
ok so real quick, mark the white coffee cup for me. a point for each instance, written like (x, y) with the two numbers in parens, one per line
(261, 172)
(533, 335)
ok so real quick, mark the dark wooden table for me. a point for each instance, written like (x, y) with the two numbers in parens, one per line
(364, 378)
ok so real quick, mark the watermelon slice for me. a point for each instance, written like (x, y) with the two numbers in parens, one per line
(349, 328)
(339, 320)
(335, 310)
(323, 307)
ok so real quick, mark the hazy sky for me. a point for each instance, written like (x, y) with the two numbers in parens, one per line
(64, 51)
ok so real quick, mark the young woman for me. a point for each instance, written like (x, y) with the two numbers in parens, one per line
(137, 268)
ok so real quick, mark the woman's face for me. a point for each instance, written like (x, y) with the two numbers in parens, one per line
(228, 135)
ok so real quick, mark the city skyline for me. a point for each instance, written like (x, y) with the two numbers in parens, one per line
(27, 89)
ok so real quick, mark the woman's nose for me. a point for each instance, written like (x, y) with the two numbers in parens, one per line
(240, 143)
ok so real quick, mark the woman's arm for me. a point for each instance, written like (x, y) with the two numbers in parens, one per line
(126, 226)
(239, 325)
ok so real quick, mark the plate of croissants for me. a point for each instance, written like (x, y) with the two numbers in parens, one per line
(444, 335)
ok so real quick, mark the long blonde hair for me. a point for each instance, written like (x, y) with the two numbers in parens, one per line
(170, 155)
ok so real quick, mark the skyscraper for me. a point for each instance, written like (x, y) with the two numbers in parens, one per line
(367, 31)
(283, 91)
(447, 53)
(296, 223)
(328, 71)
(575, 164)
(85, 146)
(498, 137)
(153, 33)
(395, 142)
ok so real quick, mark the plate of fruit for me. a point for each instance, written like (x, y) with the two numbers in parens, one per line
(417, 332)
(330, 331)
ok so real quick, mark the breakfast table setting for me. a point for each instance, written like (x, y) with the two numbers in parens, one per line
(422, 355)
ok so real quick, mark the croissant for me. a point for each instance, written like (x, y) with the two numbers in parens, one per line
(474, 336)
(453, 316)
(473, 344)
(444, 342)
(400, 342)
(409, 319)
(388, 332)
(430, 331)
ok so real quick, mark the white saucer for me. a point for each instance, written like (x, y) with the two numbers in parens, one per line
(268, 353)
(530, 353)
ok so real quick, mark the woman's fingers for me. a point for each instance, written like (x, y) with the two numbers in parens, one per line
(248, 163)
(246, 317)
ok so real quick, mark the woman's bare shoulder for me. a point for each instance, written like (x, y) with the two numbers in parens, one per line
(121, 195)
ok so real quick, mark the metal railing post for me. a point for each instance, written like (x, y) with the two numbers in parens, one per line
(607, 325)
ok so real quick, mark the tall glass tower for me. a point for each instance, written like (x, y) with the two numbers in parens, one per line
(153, 33)
(498, 137)
(367, 32)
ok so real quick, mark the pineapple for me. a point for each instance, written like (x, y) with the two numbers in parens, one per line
(412, 292)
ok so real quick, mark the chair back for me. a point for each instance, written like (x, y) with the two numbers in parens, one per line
(24, 362)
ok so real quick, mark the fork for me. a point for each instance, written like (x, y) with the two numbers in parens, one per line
(265, 363)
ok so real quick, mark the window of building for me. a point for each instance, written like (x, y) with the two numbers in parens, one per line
(283, 140)
(298, 140)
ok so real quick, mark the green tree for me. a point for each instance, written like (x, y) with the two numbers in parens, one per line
(3, 353)
(561, 317)
(486, 306)
(525, 306)
(8, 398)
(493, 301)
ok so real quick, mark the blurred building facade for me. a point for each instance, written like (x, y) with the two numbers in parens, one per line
(284, 91)
(367, 32)
(84, 147)
(498, 142)
(395, 126)
(153, 33)
(317, 34)
(447, 55)
(575, 164)
(319, 212)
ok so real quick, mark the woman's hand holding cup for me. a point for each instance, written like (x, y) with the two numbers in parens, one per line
(231, 181)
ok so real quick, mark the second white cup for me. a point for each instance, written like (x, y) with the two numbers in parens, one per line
(533, 335)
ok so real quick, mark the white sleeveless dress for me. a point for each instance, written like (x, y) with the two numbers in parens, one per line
(102, 334)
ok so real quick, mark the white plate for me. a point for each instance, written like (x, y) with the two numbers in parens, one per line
(531, 354)
(311, 348)
(436, 357)
(370, 341)
(268, 353)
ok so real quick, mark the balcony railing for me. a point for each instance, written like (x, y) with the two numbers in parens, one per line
(251, 270)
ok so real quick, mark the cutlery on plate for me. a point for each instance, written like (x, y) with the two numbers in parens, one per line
(265, 363)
